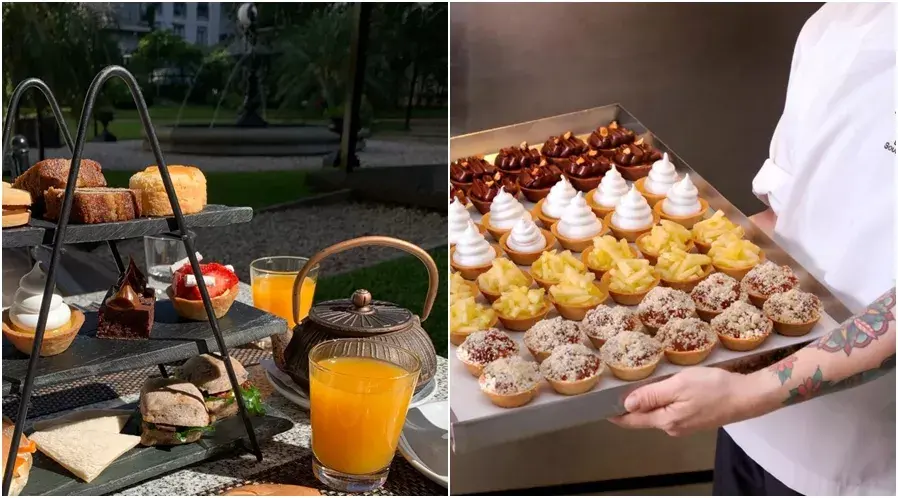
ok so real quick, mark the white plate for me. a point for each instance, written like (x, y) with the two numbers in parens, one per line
(283, 384)
(425, 441)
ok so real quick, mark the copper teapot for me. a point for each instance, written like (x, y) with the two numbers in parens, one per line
(360, 316)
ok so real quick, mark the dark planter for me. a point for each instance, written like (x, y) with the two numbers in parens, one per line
(49, 131)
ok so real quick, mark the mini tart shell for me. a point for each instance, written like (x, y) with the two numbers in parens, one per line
(635, 373)
(458, 337)
(649, 196)
(575, 387)
(526, 258)
(55, 341)
(653, 256)
(538, 213)
(577, 245)
(598, 209)
(634, 172)
(734, 344)
(476, 369)
(794, 329)
(523, 323)
(600, 272)
(739, 272)
(512, 400)
(630, 235)
(690, 283)
(497, 233)
(585, 184)
(534, 194)
(473, 286)
(686, 221)
(471, 272)
(545, 284)
(653, 328)
(577, 313)
(463, 186)
(491, 296)
(705, 314)
(481, 205)
(688, 358)
(194, 309)
(627, 298)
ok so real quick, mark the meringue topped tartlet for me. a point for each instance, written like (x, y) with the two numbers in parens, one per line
(604, 198)
(578, 225)
(549, 210)
(632, 217)
(537, 180)
(472, 254)
(682, 204)
(526, 241)
(458, 220)
(505, 211)
(661, 178)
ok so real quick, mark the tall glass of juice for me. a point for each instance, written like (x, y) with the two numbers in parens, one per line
(272, 282)
(360, 391)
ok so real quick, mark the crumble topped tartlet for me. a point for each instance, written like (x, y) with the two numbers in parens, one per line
(741, 327)
(686, 341)
(484, 347)
(546, 335)
(768, 278)
(662, 304)
(632, 355)
(793, 312)
(716, 293)
(510, 382)
(604, 322)
(572, 369)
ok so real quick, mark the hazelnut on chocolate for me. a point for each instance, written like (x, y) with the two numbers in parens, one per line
(636, 153)
(563, 146)
(485, 188)
(466, 169)
(540, 176)
(611, 136)
(589, 165)
(514, 159)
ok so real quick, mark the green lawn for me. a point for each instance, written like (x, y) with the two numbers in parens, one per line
(402, 281)
(254, 189)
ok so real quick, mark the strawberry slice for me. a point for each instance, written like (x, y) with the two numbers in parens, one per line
(224, 280)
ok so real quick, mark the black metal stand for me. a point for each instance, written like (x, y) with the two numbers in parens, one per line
(77, 148)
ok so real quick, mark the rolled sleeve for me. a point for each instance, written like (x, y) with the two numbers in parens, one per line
(768, 185)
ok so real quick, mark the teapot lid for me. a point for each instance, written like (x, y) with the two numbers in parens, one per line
(360, 314)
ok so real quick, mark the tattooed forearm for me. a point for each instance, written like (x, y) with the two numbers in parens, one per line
(816, 385)
(862, 329)
(783, 369)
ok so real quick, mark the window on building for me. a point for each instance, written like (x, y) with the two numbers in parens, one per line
(180, 9)
(202, 37)
(202, 11)
(178, 29)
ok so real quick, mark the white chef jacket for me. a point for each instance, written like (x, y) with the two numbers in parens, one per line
(830, 179)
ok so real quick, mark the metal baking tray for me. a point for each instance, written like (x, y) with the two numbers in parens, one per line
(477, 423)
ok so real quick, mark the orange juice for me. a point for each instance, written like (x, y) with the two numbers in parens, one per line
(358, 410)
(274, 294)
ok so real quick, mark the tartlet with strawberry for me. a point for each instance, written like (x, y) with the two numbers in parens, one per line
(221, 283)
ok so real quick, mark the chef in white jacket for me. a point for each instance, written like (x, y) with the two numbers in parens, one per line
(821, 422)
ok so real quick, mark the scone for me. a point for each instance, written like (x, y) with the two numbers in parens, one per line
(190, 189)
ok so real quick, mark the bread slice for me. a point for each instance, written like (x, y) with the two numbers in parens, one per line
(111, 421)
(95, 205)
(84, 453)
(55, 173)
(209, 374)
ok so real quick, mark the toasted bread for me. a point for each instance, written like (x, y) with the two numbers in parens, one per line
(54, 173)
(95, 205)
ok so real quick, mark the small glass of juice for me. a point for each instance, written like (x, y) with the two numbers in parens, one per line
(359, 392)
(272, 283)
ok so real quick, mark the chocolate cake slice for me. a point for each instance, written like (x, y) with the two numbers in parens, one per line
(128, 313)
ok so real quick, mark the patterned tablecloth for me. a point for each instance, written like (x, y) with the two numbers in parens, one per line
(287, 456)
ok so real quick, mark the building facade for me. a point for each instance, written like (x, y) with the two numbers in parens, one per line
(199, 23)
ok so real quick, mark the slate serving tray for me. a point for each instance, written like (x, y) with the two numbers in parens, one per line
(172, 339)
(48, 478)
(41, 231)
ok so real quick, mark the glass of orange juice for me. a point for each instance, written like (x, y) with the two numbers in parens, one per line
(359, 392)
(272, 283)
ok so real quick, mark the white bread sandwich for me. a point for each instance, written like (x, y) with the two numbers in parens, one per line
(22, 456)
(173, 412)
(209, 374)
(85, 453)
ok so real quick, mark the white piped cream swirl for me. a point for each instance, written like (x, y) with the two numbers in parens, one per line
(578, 221)
(526, 236)
(682, 199)
(661, 177)
(633, 212)
(611, 189)
(505, 210)
(27, 301)
(458, 220)
(559, 197)
(472, 249)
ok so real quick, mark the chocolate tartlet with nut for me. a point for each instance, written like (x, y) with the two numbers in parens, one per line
(462, 172)
(564, 146)
(635, 160)
(585, 171)
(513, 160)
(457, 193)
(485, 188)
(606, 139)
(536, 180)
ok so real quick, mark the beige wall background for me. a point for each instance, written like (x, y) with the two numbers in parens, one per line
(709, 79)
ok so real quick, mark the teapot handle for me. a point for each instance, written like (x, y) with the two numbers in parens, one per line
(373, 240)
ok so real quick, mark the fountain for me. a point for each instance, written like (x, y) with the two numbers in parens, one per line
(250, 135)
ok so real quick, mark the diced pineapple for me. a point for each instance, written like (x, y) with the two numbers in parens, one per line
(709, 230)
(732, 252)
(503, 275)
(467, 315)
(631, 276)
(521, 302)
(665, 236)
(678, 265)
(577, 289)
(459, 288)
(551, 264)
(606, 250)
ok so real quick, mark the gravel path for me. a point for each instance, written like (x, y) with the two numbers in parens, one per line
(129, 155)
(305, 231)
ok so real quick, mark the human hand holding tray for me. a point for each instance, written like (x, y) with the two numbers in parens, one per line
(477, 423)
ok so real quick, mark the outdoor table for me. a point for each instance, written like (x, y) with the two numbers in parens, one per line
(287, 456)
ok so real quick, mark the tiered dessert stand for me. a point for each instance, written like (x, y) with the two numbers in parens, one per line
(171, 339)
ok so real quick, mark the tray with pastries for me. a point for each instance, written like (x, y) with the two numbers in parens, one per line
(103, 213)
(589, 259)
(177, 421)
